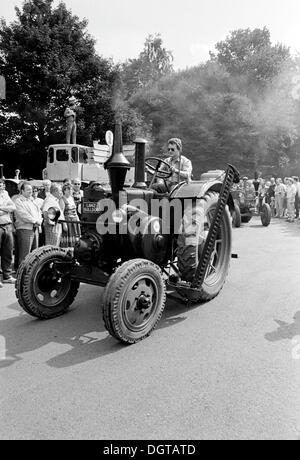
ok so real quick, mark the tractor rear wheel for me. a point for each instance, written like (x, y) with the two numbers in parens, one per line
(134, 300)
(42, 290)
(190, 243)
(265, 215)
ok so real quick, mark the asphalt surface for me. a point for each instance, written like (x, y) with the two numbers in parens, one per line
(227, 369)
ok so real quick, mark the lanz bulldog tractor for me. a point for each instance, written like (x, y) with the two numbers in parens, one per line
(138, 244)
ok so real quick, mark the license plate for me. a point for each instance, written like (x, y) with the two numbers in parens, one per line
(91, 206)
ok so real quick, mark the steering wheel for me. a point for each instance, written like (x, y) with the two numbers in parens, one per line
(155, 171)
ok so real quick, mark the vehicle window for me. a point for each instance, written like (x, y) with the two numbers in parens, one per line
(62, 155)
(51, 155)
(83, 155)
(74, 155)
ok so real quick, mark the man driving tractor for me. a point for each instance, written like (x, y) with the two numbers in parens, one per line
(180, 166)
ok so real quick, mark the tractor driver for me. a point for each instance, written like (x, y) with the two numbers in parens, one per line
(180, 166)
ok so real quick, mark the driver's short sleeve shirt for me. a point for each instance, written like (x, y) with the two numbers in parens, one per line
(185, 166)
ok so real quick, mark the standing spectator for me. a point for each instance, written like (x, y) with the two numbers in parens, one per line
(67, 181)
(285, 212)
(271, 195)
(16, 247)
(46, 189)
(256, 183)
(77, 195)
(35, 197)
(27, 223)
(261, 193)
(279, 197)
(52, 228)
(297, 197)
(43, 194)
(6, 234)
(39, 202)
(70, 232)
(290, 198)
(70, 116)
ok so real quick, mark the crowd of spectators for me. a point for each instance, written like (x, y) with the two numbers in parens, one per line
(283, 195)
(35, 217)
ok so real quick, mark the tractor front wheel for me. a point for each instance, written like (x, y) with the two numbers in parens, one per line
(265, 215)
(42, 289)
(134, 300)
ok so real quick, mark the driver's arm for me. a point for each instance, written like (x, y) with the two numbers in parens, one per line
(186, 169)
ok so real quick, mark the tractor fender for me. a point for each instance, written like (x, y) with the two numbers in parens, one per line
(197, 189)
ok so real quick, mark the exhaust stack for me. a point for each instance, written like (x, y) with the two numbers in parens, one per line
(117, 165)
(139, 170)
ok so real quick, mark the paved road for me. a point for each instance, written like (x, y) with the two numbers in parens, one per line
(226, 369)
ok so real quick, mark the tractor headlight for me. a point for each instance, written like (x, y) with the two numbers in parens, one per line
(117, 216)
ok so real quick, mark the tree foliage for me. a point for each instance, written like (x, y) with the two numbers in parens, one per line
(238, 107)
(154, 62)
(251, 53)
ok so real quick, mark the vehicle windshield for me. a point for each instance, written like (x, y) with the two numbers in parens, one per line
(62, 155)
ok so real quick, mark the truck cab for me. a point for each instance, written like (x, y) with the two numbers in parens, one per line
(74, 160)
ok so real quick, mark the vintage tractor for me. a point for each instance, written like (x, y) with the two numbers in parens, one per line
(138, 244)
(246, 206)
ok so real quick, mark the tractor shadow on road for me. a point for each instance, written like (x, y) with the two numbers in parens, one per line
(285, 330)
(81, 328)
(176, 307)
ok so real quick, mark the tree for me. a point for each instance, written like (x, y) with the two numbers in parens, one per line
(153, 62)
(46, 55)
(251, 53)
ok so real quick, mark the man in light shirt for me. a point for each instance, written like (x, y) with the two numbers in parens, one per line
(28, 221)
(290, 196)
(180, 166)
(279, 197)
(6, 234)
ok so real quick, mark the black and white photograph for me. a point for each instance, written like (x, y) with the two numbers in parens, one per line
(149, 223)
